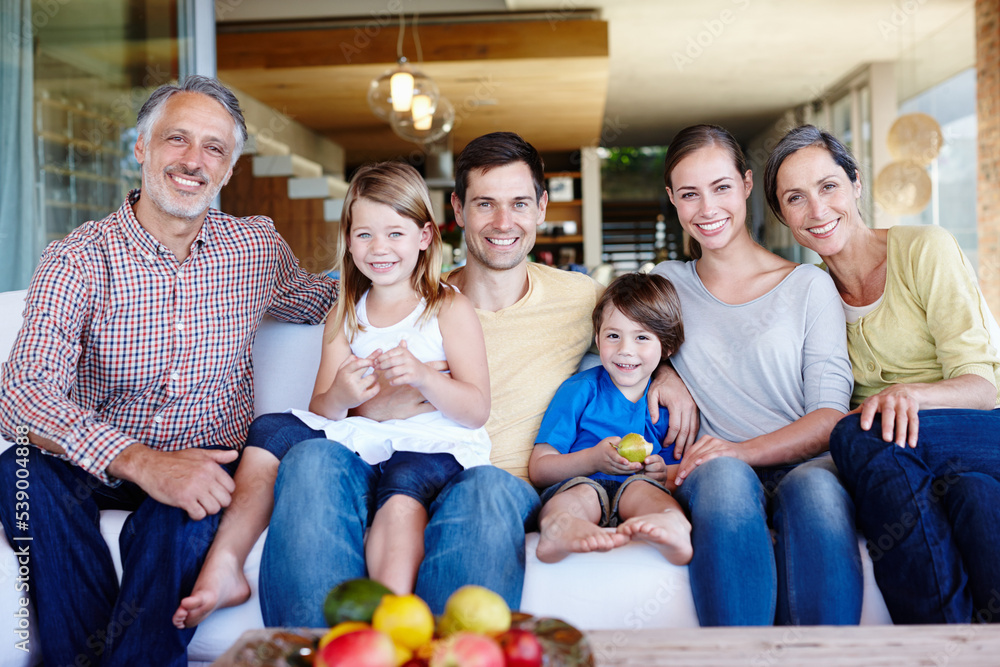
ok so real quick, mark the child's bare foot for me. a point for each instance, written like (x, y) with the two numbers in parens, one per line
(221, 583)
(669, 531)
(563, 534)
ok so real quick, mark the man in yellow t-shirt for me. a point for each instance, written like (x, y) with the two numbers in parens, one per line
(537, 325)
(536, 319)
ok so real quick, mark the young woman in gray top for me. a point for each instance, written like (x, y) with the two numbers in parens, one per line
(766, 361)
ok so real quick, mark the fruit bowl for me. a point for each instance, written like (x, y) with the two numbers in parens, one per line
(563, 645)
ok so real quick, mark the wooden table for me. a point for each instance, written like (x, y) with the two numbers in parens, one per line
(807, 646)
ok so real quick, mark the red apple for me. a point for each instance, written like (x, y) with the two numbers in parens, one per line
(521, 648)
(361, 648)
(465, 649)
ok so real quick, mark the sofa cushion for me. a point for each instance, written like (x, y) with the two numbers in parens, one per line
(285, 362)
(639, 590)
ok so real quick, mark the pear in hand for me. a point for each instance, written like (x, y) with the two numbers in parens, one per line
(635, 448)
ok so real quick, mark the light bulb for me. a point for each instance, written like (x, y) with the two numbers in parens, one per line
(401, 87)
(423, 117)
(442, 121)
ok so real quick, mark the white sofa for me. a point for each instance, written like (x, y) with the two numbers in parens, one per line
(629, 589)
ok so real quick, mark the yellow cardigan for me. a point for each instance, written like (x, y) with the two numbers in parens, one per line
(932, 322)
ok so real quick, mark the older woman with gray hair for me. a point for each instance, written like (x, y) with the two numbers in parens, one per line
(921, 450)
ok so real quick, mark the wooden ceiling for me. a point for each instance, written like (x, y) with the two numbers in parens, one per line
(498, 74)
(671, 63)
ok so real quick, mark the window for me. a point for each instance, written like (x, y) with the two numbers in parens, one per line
(82, 70)
(851, 122)
(953, 199)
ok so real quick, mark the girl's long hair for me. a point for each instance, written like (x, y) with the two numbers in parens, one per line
(400, 187)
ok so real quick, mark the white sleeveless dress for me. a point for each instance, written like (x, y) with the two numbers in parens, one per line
(430, 432)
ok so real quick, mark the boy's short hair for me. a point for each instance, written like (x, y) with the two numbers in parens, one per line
(649, 300)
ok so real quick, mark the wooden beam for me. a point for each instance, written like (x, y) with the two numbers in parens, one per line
(375, 44)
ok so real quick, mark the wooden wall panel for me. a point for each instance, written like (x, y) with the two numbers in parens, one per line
(299, 221)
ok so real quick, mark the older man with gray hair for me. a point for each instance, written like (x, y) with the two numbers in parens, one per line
(132, 378)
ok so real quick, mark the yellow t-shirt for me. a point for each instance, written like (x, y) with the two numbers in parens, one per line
(932, 324)
(532, 347)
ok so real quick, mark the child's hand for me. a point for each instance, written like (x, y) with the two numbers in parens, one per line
(400, 367)
(656, 468)
(351, 386)
(606, 458)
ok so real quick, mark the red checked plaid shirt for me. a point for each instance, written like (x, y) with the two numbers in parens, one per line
(122, 343)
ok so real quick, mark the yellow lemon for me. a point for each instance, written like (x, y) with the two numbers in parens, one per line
(406, 619)
(342, 629)
(475, 609)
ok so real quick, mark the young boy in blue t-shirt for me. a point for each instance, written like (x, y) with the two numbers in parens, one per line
(591, 487)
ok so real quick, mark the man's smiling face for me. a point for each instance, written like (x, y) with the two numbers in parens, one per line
(187, 157)
(500, 215)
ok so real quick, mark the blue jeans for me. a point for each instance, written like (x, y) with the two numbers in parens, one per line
(810, 574)
(84, 616)
(931, 514)
(415, 474)
(278, 432)
(324, 499)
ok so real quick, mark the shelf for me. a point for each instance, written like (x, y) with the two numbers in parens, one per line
(55, 203)
(75, 110)
(88, 146)
(84, 175)
(558, 240)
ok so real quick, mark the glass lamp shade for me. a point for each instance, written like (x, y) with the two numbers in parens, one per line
(903, 188)
(393, 92)
(915, 137)
(420, 131)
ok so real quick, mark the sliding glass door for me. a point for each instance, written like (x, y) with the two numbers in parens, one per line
(81, 71)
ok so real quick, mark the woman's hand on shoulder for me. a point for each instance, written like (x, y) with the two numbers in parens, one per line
(668, 390)
(705, 449)
(606, 459)
(898, 404)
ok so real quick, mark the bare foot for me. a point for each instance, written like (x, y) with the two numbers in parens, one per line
(221, 583)
(563, 534)
(669, 531)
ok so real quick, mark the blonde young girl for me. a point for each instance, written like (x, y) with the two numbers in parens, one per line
(392, 317)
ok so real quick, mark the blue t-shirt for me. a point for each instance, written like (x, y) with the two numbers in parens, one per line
(588, 407)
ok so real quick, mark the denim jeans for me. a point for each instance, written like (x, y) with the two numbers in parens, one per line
(931, 513)
(278, 432)
(810, 574)
(415, 474)
(324, 500)
(84, 616)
